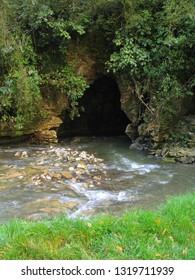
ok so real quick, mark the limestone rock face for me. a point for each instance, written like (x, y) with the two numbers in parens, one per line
(86, 65)
(131, 131)
(53, 103)
(180, 153)
(45, 132)
(91, 65)
(130, 103)
(45, 136)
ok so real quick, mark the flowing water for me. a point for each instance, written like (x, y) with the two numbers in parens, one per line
(32, 185)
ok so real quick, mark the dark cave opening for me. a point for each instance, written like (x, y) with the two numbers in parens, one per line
(102, 114)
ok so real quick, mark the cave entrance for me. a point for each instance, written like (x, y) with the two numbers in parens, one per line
(102, 112)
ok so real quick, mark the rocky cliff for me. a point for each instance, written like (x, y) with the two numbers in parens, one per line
(143, 133)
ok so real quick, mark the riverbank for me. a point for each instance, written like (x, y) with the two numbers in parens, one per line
(167, 233)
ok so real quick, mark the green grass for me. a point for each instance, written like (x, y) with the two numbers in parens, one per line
(168, 233)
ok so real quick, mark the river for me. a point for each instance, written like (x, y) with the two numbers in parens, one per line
(38, 181)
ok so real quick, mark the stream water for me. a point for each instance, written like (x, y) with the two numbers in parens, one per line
(108, 177)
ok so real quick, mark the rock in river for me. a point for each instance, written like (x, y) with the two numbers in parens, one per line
(67, 175)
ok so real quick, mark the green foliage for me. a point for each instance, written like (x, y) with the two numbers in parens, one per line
(19, 88)
(155, 47)
(151, 42)
(65, 81)
(130, 55)
(28, 27)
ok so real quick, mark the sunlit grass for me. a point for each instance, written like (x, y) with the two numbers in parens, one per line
(168, 233)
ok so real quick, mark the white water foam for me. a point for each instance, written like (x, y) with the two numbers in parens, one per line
(125, 164)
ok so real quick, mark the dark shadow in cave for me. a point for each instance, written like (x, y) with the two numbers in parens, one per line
(102, 114)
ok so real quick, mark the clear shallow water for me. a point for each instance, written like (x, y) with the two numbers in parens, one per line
(129, 179)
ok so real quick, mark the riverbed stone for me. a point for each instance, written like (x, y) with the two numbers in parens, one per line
(57, 176)
(97, 178)
(67, 175)
(82, 166)
(37, 216)
(71, 168)
(45, 171)
(57, 207)
(17, 154)
(12, 174)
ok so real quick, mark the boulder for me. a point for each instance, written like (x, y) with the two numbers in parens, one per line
(45, 137)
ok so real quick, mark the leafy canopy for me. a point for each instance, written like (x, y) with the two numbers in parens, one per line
(150, 41)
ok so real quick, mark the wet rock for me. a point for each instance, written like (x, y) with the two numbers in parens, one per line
(186, 160)
(71, 168)
(24, 154)
(183, 150)
(46, 136)
(80, 171)
(86, 185)
(37, 182)
(54, 189)
(82, 166)
(83, 155)
(67, 175)
(139, 144)
(99, 160)
(55, 207)
(57, 176)
(17, 154)
(71, 158)
(131, 131)
(37, 216)
(12, 175)
(97, 178)
(78, 159)
(21, 154)
(74, 180)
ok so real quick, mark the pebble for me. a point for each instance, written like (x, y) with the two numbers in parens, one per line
(17, 154)
(96, 178)
(38, 182)
(71, 168)
(78, 159)
(80, 172)
(86, 185)
(82, 166)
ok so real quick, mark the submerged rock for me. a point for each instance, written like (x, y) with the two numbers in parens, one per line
(67, 175)
(57, 176)
(46, 136)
